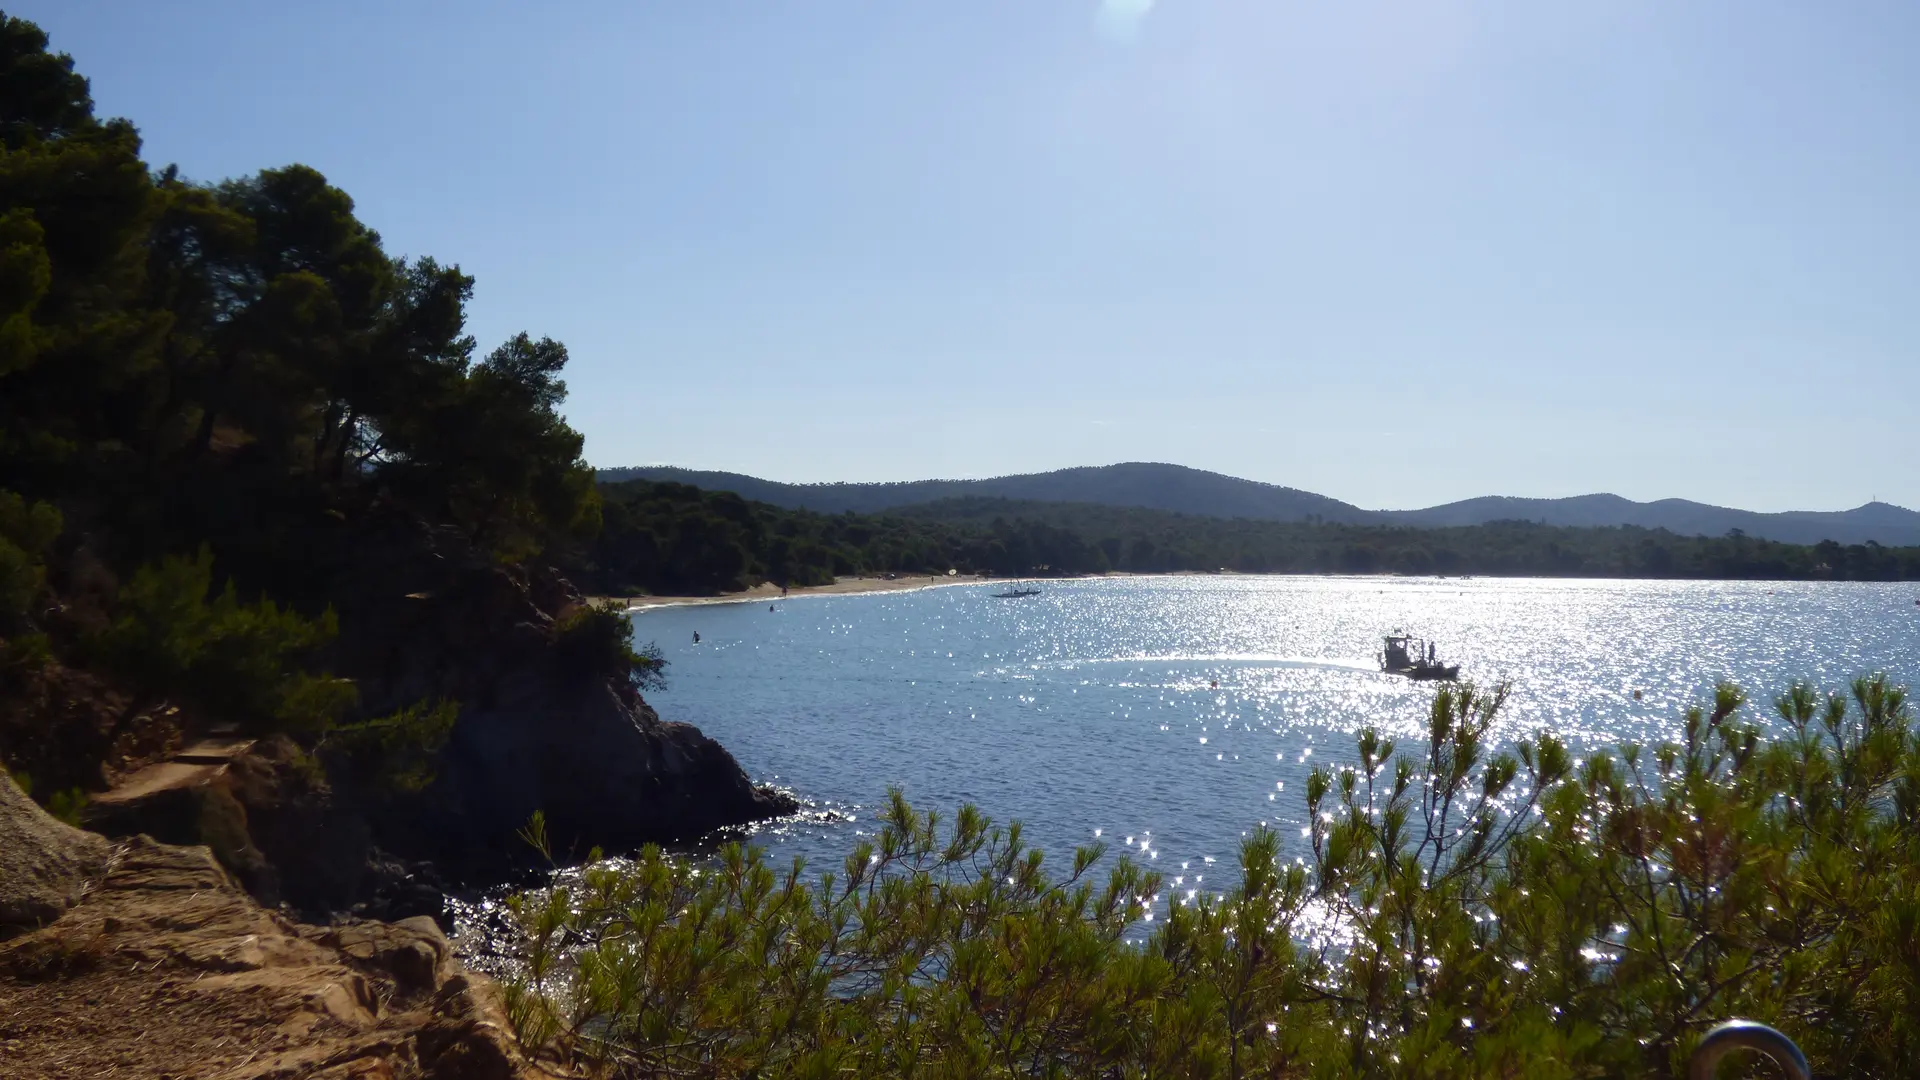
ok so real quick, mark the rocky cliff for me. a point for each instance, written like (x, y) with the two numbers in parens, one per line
(430, 620)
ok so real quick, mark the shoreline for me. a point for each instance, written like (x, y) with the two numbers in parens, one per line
(861, 585)
(766, 591)
(867, 586)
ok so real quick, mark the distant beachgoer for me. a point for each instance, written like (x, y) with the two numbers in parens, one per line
(783, 592)
(696, 637)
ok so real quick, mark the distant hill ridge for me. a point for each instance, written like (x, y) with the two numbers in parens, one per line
(1179, 489)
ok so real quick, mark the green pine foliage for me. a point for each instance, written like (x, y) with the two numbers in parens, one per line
(161, 338)
(397, 752)
(26, 531)
(237, 369)
(672, 538)
(1456, 910)
(175, 636)
(66, 806)
(597, 640)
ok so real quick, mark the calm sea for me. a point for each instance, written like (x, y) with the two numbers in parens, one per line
(1171, 715)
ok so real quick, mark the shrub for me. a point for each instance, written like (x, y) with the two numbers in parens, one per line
(597, 639)
(26, 531)
(397, 751)
(24, 654)
(171, 635)
(64, 806)
(1456, 912)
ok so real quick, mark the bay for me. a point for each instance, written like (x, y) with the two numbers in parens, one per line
(1169, 716)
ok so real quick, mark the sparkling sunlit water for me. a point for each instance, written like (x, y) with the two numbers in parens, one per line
(1091, 711)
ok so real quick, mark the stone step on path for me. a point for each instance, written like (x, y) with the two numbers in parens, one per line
(195, 765)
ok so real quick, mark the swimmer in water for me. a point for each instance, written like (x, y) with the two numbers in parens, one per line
(696, 637)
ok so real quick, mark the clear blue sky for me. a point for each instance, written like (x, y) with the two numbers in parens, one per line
(1397, 252)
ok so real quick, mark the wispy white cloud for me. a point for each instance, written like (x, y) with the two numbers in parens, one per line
(1122, 18)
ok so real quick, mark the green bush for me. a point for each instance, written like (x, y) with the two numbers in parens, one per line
(26, 531)
(171, 635)
(23, 654)
(597, 639)
(1456, 912)
(64, 806)
(397, 751)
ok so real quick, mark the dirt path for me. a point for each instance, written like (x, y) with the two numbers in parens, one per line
(195, 765)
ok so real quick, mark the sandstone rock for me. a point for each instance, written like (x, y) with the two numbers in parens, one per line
(187, 803)
(167, 968)
(45, 866)
(413, 951)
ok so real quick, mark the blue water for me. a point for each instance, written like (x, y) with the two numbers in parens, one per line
(1091, 711)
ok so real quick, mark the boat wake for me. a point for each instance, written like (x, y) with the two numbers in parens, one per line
(1241, 659)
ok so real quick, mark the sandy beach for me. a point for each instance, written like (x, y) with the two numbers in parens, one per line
(854, 586)
(847, 586)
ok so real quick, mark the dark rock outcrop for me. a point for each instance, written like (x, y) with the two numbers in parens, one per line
(430, 619)
(605, 771)
(424, 617)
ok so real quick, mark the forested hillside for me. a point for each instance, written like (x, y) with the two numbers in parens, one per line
(1875, 521)
(671, 538)
(1178, 489)
(1145, 540)
(1141, 484)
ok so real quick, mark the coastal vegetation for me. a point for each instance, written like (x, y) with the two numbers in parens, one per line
(671, 538)
(268, 512)
(597, 640)
(238, 438)
(1450, 909)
